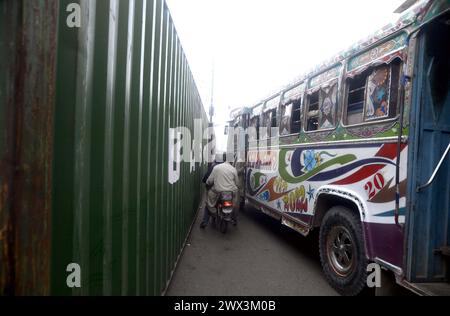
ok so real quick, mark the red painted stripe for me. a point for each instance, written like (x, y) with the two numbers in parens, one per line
(388, 151)
(361, 174)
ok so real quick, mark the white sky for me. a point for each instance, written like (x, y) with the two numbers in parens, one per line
(258, 46)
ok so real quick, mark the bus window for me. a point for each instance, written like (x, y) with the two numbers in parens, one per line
(356, 94)
(377, 94)
(285, 119)
(373, 95)
(296, 117)
(313, 112)
(322, 109)
(327, 107)
(269, 121)
(395, 88)
(274, 119)
(290, 122)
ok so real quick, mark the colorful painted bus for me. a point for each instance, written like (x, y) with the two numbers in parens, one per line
(359, 149)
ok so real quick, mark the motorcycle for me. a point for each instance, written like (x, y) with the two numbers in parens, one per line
(224, 214)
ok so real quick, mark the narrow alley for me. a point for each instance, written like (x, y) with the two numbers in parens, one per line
(258, 257)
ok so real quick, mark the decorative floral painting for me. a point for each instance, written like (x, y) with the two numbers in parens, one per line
(328, 107)
(377, 96)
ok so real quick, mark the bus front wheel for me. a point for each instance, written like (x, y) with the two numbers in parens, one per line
(342, 251)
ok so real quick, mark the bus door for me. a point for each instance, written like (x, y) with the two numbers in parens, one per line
(428, 205)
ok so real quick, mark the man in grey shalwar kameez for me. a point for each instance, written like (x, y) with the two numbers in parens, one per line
(223, 178)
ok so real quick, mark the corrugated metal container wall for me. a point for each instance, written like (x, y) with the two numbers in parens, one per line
(84, 132)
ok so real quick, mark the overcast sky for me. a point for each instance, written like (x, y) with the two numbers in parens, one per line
(258, 46)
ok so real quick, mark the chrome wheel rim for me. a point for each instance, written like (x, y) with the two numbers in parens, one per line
(341, 250)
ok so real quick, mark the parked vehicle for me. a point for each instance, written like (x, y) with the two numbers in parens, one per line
(359, 149)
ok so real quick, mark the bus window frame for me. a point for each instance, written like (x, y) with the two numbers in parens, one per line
(338, 108)
(283, 102)
(300, 110)
(291, 122)
(387, 119)
(307, 117)
(256, 113)
(273, 110)
(262, 118)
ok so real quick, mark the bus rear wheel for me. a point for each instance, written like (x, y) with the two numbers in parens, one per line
(342, 251)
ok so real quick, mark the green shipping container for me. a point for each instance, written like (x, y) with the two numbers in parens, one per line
(86, 103)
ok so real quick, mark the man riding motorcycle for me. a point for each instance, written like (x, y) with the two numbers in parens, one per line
(223, 178)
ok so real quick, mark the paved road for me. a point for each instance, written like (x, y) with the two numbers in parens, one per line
(259, 257)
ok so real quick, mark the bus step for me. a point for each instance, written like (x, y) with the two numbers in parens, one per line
(428, 289)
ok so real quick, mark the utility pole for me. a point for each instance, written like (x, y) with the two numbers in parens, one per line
(211, 108)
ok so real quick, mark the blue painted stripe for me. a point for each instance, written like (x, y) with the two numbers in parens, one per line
(328, 175)
(402, 212)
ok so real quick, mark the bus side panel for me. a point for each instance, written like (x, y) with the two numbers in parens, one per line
(289, 180)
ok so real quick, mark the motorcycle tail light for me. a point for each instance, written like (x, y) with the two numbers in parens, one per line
(228, 204)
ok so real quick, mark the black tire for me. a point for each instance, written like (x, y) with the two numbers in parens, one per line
(343, 258)
(223, 226)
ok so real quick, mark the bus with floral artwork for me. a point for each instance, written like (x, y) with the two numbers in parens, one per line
(358, 149)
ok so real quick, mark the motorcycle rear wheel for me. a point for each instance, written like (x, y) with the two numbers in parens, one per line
(223, 226)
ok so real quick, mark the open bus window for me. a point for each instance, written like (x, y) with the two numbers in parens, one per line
(313, 112)
(322, 109)
(290, 121)
(285, 119)
(296, 117)
(356, 94)
(394, 88)
(274, 119)
(269, 121)
(373, 95)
